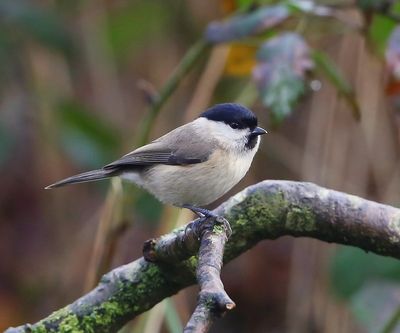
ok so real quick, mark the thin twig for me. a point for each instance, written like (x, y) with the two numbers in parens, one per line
(393, 322)
(184, 67)
(207, 82)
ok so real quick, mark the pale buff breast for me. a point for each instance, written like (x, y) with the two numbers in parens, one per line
(197, 184)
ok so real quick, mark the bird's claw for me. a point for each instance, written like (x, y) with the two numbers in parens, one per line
(201, 224)
(226, 224)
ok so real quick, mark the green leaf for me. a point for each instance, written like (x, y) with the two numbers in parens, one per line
(280, 73)
(351, 268)
(243, 25)
(243, 4)
(88, 139)
(329, 69)
(392, 54)
(374, 304)
(382, 17)
(282, 93)
(379, 32)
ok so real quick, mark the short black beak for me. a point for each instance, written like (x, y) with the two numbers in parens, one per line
(258, 131)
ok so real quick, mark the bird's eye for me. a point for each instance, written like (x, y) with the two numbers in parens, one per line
(234, 125)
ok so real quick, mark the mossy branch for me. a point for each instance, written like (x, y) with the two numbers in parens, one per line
(267, 210)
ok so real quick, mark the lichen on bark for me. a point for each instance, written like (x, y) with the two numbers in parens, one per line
(267, 210)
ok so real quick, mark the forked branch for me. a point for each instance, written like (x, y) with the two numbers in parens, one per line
(267, 210)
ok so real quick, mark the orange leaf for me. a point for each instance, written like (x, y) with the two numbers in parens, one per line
(241, 60)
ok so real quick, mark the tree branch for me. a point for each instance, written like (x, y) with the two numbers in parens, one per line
(267, 210)
(213, 301)
(211, 235)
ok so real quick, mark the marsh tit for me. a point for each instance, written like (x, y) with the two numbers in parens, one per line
(193, 165)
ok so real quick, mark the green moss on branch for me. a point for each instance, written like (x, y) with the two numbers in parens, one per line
(266, 210)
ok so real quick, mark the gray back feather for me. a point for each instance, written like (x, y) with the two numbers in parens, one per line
(182, 146)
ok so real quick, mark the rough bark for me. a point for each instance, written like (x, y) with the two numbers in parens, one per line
(267, 210)
(213, 301)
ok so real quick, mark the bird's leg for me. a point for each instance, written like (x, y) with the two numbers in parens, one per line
(201, 212)
(204, 216)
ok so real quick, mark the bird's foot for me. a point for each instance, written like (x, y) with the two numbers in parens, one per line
(206, 221)
(201, 212)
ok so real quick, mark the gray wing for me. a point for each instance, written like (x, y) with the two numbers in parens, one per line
(181, 146)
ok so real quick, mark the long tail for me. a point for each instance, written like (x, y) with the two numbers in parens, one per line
(83, 177)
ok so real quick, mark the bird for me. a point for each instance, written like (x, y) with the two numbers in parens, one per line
(192, 165)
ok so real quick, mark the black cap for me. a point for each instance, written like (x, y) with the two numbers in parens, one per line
(232, 113)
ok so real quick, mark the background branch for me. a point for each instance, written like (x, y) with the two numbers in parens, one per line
(267, 210)
(187, 63)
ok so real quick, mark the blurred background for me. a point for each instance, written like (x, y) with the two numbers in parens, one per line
(83, 82)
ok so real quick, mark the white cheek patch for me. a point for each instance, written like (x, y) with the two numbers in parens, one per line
(227, 136)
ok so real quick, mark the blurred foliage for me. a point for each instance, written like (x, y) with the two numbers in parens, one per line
(244, 25)
(6, 142)
(282, 64)
(369, 4)
(380, 30)
(129, 29)
(352, 269)
(393, 54)
(335, 76)
(370, 283)
(172, 319)
(373, 306)
(385, 6)
(241, 60)
(281, 61)
(280, 92)
(27, 20)
(380, 21)
(148, 207)
(89, 140)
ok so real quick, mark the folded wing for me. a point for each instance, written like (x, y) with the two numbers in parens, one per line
(171, 149)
